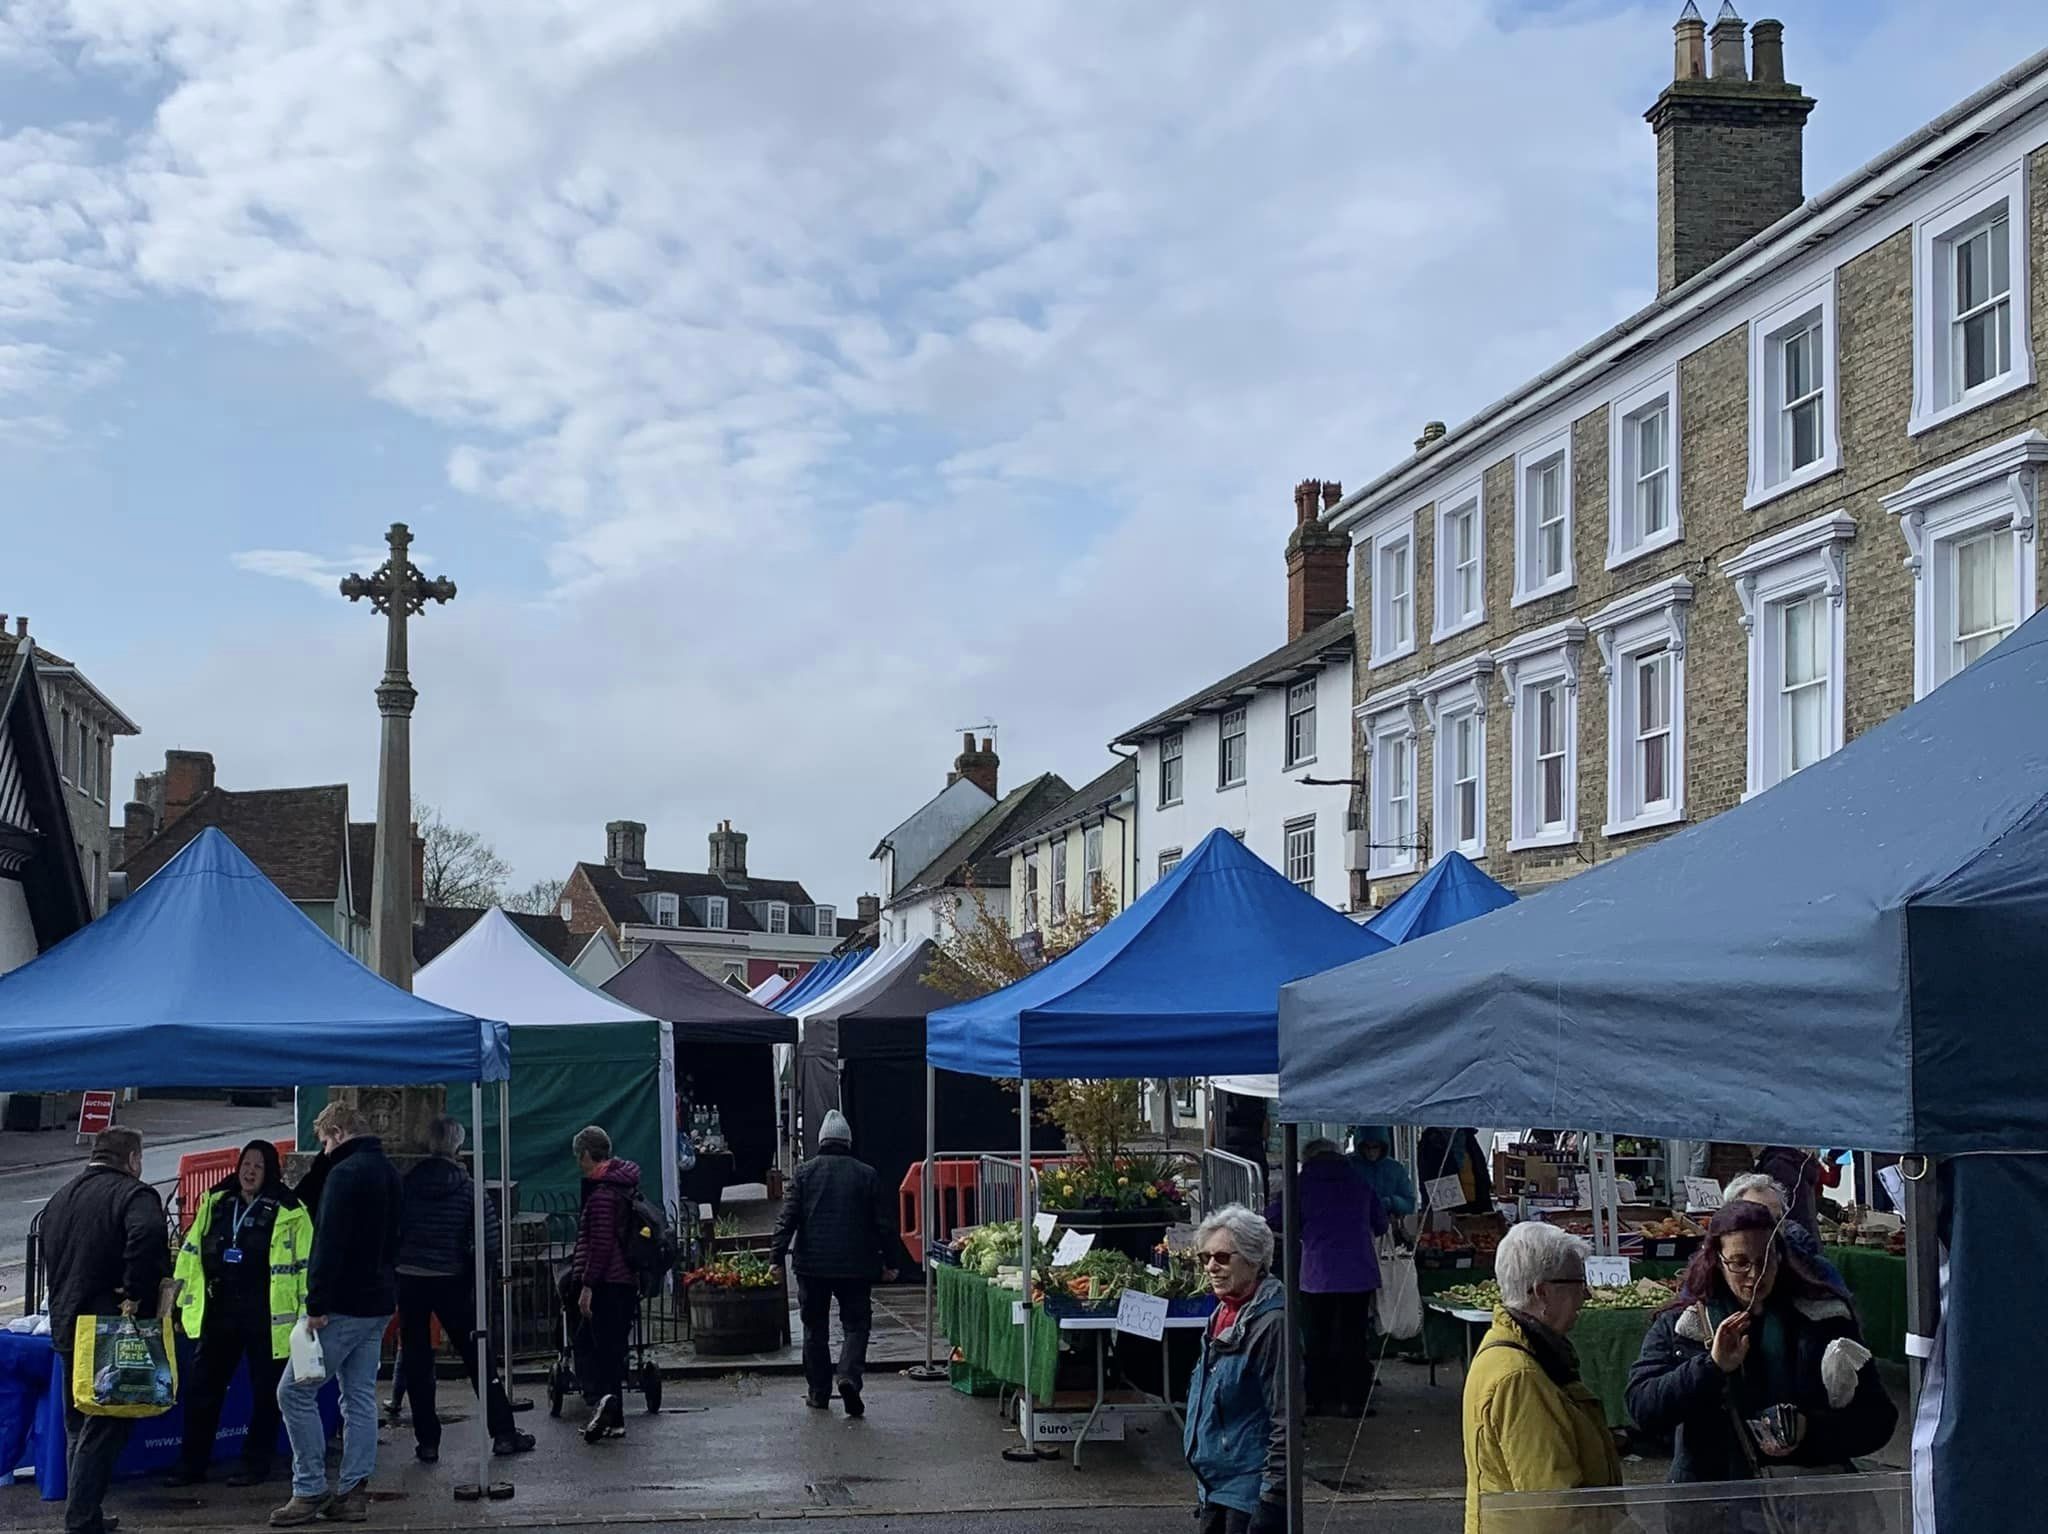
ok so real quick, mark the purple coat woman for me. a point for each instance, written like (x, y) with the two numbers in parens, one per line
(1341, 1218)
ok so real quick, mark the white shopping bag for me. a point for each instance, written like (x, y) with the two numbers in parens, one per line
(1400, 1296)
(309, 1361)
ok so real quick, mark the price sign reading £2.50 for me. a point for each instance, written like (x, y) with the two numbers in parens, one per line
(1142, 1315)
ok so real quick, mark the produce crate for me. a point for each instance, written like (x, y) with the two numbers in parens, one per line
(970, 1381)
(1679, 1248)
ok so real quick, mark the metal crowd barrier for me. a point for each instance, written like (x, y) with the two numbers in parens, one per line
(999, 1189)
(1228, 1179)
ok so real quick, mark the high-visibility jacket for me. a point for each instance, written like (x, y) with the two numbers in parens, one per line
(291, 1245)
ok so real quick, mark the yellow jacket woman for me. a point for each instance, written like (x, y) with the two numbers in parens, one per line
(1530, 1422)
(243, 1272)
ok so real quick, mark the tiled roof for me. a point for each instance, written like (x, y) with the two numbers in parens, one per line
(295, 835)
(621, 896)
(975, 848)
(1079, 805)
(1305, 654)
(440, 925)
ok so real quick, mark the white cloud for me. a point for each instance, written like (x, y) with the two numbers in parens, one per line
(861, 370)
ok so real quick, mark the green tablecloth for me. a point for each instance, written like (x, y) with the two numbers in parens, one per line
(975, 1316)
(1878, 1281)
(1443, 1339)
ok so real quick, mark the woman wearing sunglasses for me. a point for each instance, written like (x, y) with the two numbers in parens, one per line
(1758, 1368)
(1235, 1436)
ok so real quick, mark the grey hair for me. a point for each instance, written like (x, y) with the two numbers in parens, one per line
(1533, 1253)
(592, 1142)
(1251, 1236)
(1751, 1182)
(445, 1137)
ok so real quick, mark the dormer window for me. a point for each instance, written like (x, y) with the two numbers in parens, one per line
(666, 911)
(826, 922)
(714, 913)
(778, 918)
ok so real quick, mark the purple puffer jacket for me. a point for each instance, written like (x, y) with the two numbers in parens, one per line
(1340, 1216)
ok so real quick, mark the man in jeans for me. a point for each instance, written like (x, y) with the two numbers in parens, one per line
(601, 1282)
(351, 1292)
(107, 1251)
(838, 1221)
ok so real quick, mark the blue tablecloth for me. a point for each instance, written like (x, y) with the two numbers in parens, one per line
(32, 1393)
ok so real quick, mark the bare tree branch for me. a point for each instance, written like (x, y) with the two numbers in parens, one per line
(462, 869)
(543, 897)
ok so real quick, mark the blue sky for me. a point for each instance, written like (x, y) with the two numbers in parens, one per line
(785, 384)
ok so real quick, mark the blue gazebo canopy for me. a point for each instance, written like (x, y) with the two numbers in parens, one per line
(819, 979)
(208, 976)
(1183, 983)
(1853, 958)
(1454, 890)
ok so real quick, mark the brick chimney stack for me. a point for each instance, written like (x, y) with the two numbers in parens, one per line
(138, 825)
(980, 767)
(625, 848)
(187, 776)
(1730, 144)
(1318, 560)
(729, 854)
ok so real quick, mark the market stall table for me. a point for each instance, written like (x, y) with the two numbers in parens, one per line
(1102, 1329)
(1608, 1343)
(975, 1313)
(33, 1388)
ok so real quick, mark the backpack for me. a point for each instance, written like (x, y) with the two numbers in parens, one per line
(648, 1242)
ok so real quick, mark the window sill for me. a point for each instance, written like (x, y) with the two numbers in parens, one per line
(1819, 469)
(1475, 852)
(1223, 787)
(1171, 804)
(1391, 656)
(1547, 589)
(1664, 540)
(1306, 761)
(1650, 822)
(1542, 840)
(1445, 631)
(2021, 377)
(1389, 871)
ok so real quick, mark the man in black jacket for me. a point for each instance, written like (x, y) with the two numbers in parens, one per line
(351, 1291)
(437, 1280)
(838, 1221)
(107, 1250)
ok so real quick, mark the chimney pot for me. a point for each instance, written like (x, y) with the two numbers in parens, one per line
(1318, 561)
(1333, 492)
(1767, 48)
(21, 627)
(1433, 432)
(1305, 495)
(1729, 60)
(1689, 45)
(979, 767)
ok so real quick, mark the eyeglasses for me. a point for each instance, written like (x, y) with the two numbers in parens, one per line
(1213, 1259)
(1742, 1267)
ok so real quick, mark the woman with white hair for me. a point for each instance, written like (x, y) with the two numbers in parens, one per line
(1530, 1423)
(1235, 1436)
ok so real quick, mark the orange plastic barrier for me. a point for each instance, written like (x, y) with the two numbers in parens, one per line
(202, 1169)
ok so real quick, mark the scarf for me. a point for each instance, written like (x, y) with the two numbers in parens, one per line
(1549, 1347)
(1770, 1375)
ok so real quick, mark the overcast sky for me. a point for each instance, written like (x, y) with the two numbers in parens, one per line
(786, 385)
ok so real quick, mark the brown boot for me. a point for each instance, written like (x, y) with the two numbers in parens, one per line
(295, 1512)
(351, 1506)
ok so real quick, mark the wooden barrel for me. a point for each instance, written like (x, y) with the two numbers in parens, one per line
(725, 1322)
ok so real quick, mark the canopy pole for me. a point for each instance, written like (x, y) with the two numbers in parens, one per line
(1027, 1422)
(1290, 1229)
(1923, 1271)
(929, 1369)
(480, 1331)
(505, 1217)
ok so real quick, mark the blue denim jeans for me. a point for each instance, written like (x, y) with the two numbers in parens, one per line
(351, 1344)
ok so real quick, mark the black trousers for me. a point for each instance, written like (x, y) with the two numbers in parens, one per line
(814, 1297)
(452, 1300)
(1337, 1345)
(95, 1443)
(1218, 1519)
(602, 1340)
(233, 1331)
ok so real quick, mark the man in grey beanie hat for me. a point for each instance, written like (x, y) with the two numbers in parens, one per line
(839, 1223)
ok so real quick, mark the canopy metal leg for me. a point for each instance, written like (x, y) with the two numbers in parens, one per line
(1028, 1452)
(505, 1226)
(930, 1368)
(480, 1334)
(1923, 1269)
(1290, 1238)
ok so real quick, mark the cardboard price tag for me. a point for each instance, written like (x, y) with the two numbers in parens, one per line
(1074, 1245)
(1444, 1192)
(1608, 1272)
(1043, 1225)
(1702, 1193)
(1142, 1315)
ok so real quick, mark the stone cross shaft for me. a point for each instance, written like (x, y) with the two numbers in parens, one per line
(399, 591)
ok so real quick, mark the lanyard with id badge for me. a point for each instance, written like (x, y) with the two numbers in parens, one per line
(231, 1254)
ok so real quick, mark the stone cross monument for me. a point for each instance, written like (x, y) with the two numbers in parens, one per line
(398, 590)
